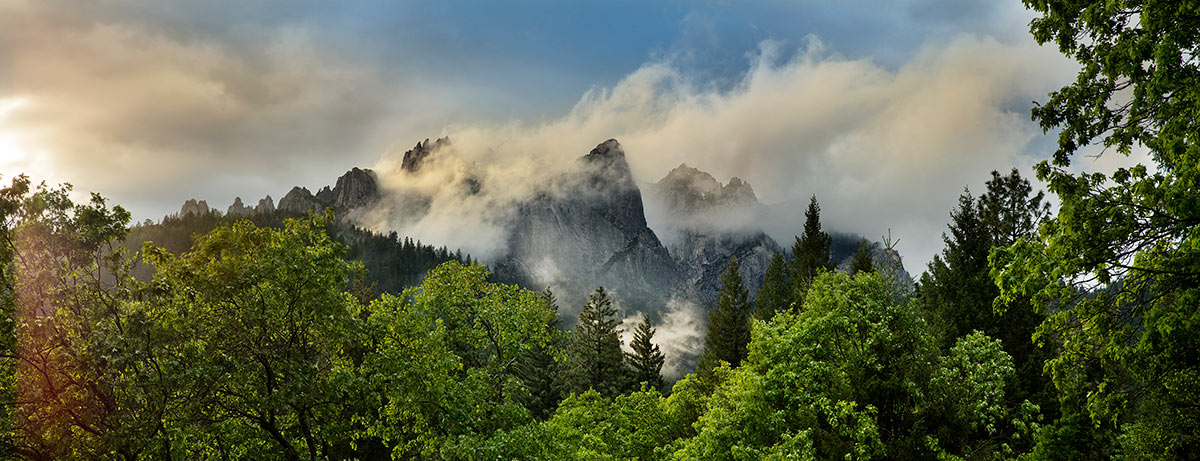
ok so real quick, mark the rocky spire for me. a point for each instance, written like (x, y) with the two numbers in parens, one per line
(237, 209)
(193, 207)
(300, 200)
(354, 189)
(265, 205)
(414, 157)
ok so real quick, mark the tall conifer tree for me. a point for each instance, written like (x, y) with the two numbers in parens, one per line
(538, 369)
(810, 253)
(646, 358)
(776, 292)
(728, 324)
(862, 262)
(595, 359)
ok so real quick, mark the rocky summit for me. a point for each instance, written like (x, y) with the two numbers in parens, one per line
(415, 157)
(698, 215)
(587, 229)
(356, 189)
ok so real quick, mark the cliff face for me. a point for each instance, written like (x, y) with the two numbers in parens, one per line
(589, 229)
(193, 207)
(300, 200)
(414, 157)
(706, 224)
(238, 208)
(356, 189)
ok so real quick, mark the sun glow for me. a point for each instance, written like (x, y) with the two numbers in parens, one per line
(11, 151)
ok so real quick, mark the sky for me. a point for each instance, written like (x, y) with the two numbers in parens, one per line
(885, 111)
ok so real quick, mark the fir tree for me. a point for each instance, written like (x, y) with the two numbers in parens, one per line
(728, 324)
(810, 253)
(646, 358)
(539, 370)
(595, 358)
(956, 288)
(862, 259)
(776, 292)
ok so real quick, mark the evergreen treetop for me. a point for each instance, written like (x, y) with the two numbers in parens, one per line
(646, 358)
(728, 323)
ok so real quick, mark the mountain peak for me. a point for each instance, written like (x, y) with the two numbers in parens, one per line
(414, 157)
(608, 152)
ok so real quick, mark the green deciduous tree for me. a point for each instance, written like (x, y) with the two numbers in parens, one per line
(71, 285)
(594, 358)
(261, 320)
(646, 360)
(1129, 361)
(856, 375)
(728, 324)
(442, 365)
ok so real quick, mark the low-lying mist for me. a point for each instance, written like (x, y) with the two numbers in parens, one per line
(881, 148)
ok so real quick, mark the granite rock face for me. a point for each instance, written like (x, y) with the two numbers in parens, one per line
(414, 157)
(300, 200)
(266, 205)
(706, 224)
(357, 188)
(589, 229)
(194, 207)
(238, 208)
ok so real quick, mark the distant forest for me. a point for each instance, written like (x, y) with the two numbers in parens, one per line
(391, 263)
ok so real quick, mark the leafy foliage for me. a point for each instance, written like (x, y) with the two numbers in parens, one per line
(1120, 262)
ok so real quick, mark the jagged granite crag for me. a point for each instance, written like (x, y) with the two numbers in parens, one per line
(588, 229)
(707, 224)
(356, 189)
(191, 206)
(414, 157)
(238, 208)
(266, 205)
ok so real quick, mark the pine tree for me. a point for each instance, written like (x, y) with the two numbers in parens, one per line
(862, 259)
(728, 324)
(810, 253)
(646, 358)
(956, 288)
(595, 358)
(776, 292)
(538, 369)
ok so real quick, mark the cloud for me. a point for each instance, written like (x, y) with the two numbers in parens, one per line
(882, 149)
(126, 107)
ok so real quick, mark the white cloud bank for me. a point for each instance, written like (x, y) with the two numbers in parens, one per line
(881, 148)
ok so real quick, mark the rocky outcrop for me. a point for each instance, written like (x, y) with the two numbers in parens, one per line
(705, 224)
(688, 192)
(300, 200)
(704, 256)
(414, 157)
(357, 188)
(589, 229)
(193, 207)
(238, 209)
(265, 205)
